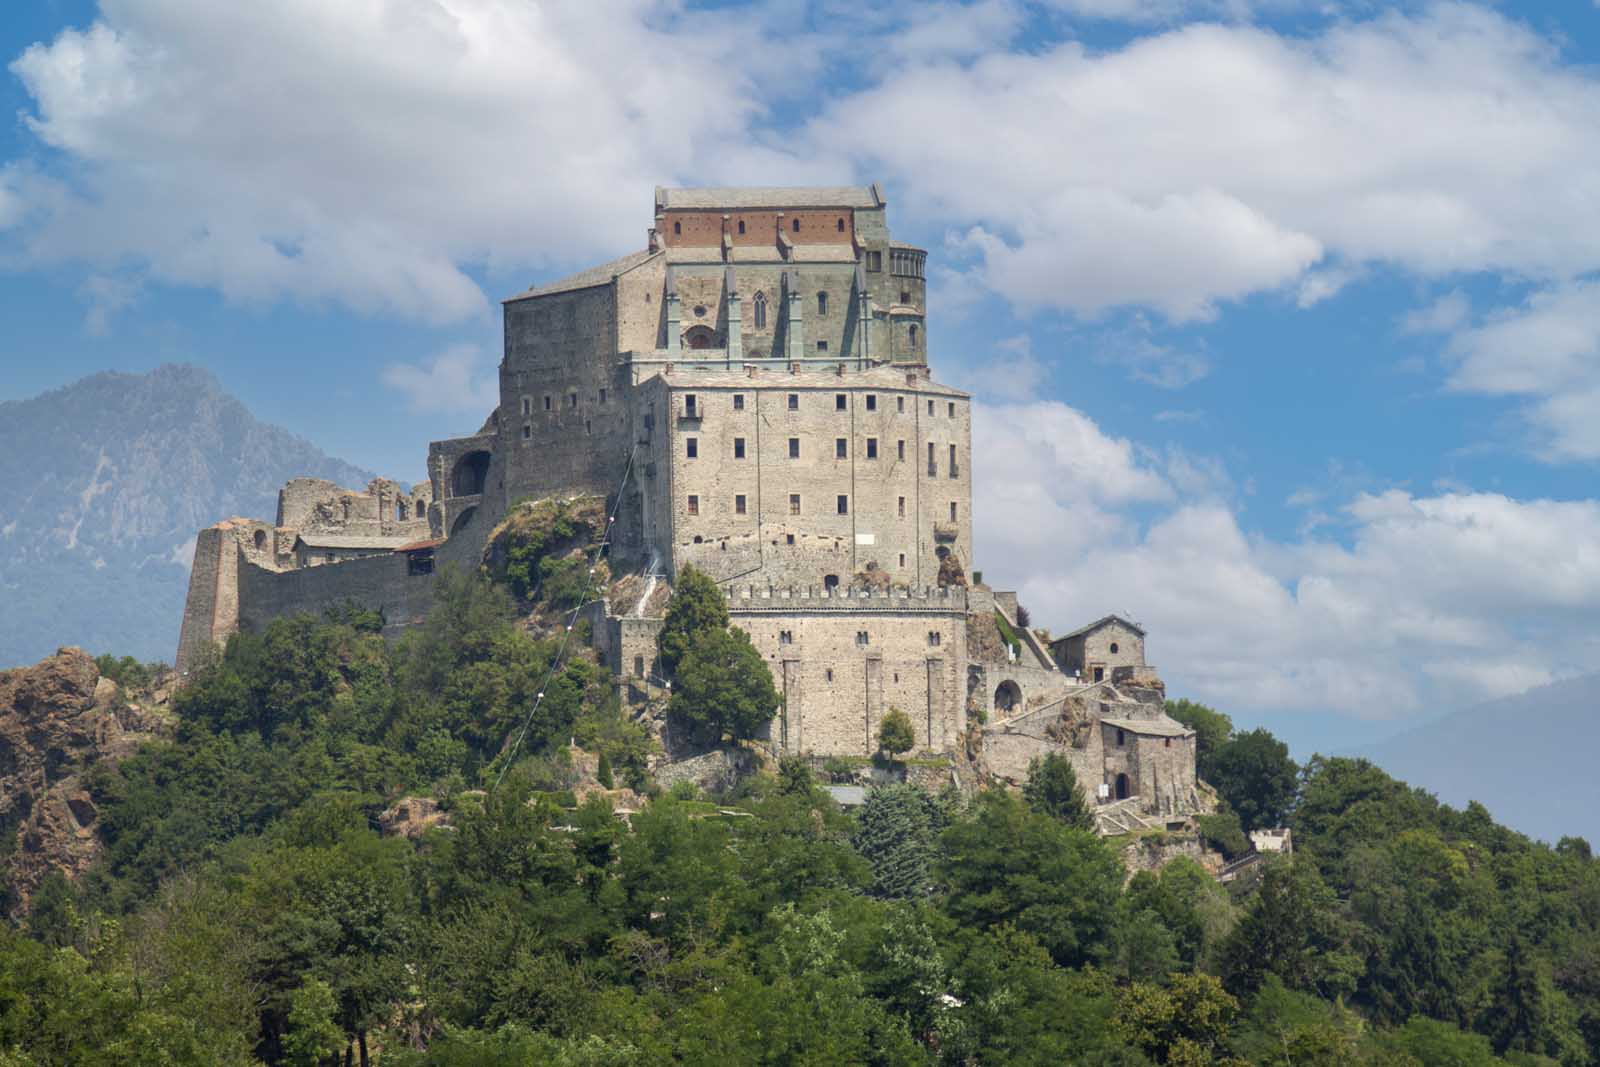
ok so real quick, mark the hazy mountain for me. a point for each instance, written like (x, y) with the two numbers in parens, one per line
(1529, 758)
(102, 486)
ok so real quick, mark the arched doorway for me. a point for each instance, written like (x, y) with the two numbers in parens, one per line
(700, 337)
(1007, 698)
(470, 475)
(1122, 791)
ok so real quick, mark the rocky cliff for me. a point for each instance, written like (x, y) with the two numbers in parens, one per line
(105, 482)
(58, 718)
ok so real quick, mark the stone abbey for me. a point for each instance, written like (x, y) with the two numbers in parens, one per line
(751, 392)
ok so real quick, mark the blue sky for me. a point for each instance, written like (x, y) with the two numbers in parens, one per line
(1283, 316)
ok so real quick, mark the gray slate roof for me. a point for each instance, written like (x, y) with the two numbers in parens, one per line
(1162, 727)
(1080, 631)
(587, 279)
(753, 196)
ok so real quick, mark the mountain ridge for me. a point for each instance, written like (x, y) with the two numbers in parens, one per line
(105, 482)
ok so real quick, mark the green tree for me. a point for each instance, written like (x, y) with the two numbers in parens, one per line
(897, 832)
(723, 686)
(1005, 863)
(1254, 774)
(1291, 930)
(895, 733)
(313, 1035)
(1052, 789)
(697, 608)
(1185, 1021)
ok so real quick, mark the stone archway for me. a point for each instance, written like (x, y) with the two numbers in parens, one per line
(1122, 791)
(470, 475)
(1007, 698)
(700, 337)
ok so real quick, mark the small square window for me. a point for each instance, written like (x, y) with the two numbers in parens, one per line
(694, 505)
(785, 637)
(934, 639)
(738, 448)
(840, 401)
(905, 297)
(691, 447)
(738, 401)
(738, 504)
(862, 638)
(844, 504)
(872, 448)
(822, 346)
(794, 401)
(794, 505)
(794, 448)
(872, 402)
(841, 448)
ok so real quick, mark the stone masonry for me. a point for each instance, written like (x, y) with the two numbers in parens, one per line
(751, 392)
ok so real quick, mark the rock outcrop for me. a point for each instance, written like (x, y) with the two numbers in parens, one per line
(57, 718)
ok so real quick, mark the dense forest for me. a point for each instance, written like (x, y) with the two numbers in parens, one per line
(247, 909)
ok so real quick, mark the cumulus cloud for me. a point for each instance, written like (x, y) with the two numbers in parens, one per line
(458, 380)
(1546, 350)
(1421, 601)
(366, 154)
(1208, 162)
(1445, 315)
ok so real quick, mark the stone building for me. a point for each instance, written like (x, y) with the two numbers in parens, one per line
(751, 392)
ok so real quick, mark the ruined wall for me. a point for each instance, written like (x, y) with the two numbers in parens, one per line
(384, 509)
(377, 582)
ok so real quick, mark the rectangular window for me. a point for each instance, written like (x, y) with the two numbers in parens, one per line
(572, 400)
(902, 507)
(900, 404)
(874, 260)
(691, 447)
(872, 448)
(527, 406)
(934, 639)
(785, 637)
(689, 408)
(738, 401)
(547, 401)
(952, 409)
(840, 401)
(902, 561)
(844, 504)
(694, 505)
(738, 448)
(527, 432)
(872, 402)
(954, 471)
(933, 464)
(638, 666)
(862, 638)
(794, 503)
(794, 401)
(794, 448)
(738, 505)
(822, 346)
(930, 407)
(952, 510)
(841, 448)
(602, 396)
(900, 451)
(790, 538)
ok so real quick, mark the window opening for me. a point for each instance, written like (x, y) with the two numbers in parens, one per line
(741, 226)
(862, 639)
(694, 506)
(822, 305)
(796, 226)
(738, 448)
(844, 504)
(913, 337)
(900, 451)
(761, 311)
(794, 401)
(840, 401)
(738, 504)
(900, 404)
(790, 539)
(794, 505)
(872, 448)
(785, 637)
(872, 401)
(934, 638)
(794, 448)
(692, 447)
(677, 229)
(738, 401)
(902, 513)
(840, 448)
(822, 346)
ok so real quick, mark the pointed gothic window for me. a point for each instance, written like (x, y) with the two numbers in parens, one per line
(761, 311)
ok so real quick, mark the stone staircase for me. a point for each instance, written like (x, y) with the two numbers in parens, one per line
(1123, 817)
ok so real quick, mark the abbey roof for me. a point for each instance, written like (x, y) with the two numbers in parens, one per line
(750, 197)
(586, 279)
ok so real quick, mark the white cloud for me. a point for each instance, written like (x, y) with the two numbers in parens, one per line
(1428, 602)
(1209, 162)
(458, 380)
(1547, 350)
(1445, 315)
(106, 295)
(1147, 360)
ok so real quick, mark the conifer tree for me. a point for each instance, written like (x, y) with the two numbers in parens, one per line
(697, 607)
(1052, 790)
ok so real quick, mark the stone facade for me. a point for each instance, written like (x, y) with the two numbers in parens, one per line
(751, 393)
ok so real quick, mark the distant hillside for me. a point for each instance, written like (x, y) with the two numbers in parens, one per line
(102, 486)
(1530, 759)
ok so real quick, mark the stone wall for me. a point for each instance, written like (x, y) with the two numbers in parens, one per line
(377, 582)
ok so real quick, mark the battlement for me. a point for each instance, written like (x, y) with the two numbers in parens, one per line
(790, 599)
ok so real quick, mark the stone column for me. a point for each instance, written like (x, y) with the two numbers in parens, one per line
(735, 319)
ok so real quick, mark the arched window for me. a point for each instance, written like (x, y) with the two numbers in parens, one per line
(761, 311)
(796, 226)
(841, 225)
(822, 305)
(261, 540)
(400, 510)
(913, 337)
(741, 225)
(677, 229)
